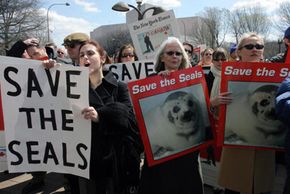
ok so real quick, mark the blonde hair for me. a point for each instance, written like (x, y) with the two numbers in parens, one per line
(205, 50)
(160, 66)
(246, 36)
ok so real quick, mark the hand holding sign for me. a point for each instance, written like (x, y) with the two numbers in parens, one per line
(91, 113)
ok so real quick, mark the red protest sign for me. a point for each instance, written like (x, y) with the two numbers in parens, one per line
(250, 121)
(172, 114)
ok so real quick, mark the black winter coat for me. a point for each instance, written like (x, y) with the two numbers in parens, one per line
(116, 121)
(178, 176)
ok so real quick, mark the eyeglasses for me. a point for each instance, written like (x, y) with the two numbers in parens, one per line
(170, 53)
(208, 54)
(59, 52)
(251, 46)
(188, 51)
(70, 45)
(128, 55)
(220, 59)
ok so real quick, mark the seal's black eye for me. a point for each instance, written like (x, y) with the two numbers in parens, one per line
(190, 103)
(264, 102)
(176, 109)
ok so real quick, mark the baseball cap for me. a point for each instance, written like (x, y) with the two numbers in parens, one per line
(77, 37)
(287, 33)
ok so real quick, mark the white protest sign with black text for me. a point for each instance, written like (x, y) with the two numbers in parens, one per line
(44, 127)
(131, 71)
(148, 34)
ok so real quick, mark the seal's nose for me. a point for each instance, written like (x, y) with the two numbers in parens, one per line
(271, 114)
(187, 116)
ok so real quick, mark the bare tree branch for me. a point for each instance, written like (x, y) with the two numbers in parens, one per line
(18, 18)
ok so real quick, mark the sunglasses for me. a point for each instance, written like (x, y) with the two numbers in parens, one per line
(170, 53)
(70, 45)
(188, 51)
(208, 54)
(251, 46)
(220, 59)
(128, 55)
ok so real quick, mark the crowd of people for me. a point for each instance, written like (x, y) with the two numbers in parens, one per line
(113, 121)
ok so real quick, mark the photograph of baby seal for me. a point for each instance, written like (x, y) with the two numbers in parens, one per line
(251, 119)
(175, 125)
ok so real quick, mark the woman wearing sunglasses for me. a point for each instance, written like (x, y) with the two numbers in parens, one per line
(127, 54)
(206, 58)
(180, 175)
(213, 79)
(248, 171)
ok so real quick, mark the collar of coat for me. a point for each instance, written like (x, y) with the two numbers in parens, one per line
(109, 78)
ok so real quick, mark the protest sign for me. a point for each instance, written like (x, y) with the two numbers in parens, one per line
(44, 127)
(172, 114)
(148, 34)
(250, 120)
(131, 71)
(196, 54)
(3, 159)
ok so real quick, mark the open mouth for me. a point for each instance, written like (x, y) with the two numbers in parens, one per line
(86, 65)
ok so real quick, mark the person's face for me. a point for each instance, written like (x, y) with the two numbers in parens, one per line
(207, 56)
(286, 41)
(188, 51)
(36, 52)
(234, 55)
(60, 53)
(251, 50)
(172, 56)
(127, 55)
(25, 55)
(217, 61)
(90, 57)
(73, 50)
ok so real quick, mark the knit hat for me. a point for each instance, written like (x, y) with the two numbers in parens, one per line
(233, 48)
(287, 33)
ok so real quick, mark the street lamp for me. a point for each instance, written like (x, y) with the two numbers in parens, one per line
(124, 7)
(139, 2)
(66, 4)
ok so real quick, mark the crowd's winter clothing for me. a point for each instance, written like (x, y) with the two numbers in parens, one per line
(114, 137)
(283, 113)
(242, 170)
(180, 175)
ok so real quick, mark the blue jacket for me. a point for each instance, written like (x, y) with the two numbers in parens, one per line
(283, 102)
(283, 113)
